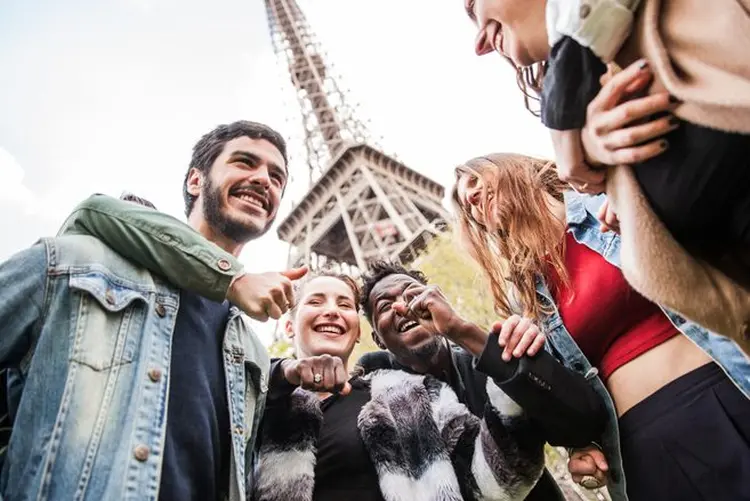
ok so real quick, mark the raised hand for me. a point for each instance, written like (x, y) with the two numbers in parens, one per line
(588, 467)
(431, 309)
(518, 336)
(323, 373)
(265, 295)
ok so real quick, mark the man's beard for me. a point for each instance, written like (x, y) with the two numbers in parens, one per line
(427, 351)
(230, 228)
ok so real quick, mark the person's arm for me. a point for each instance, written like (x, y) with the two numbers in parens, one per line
(571, 82)
(561, 402)
(23, 289)
(158, 242)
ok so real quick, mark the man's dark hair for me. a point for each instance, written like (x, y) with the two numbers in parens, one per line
(209, 147)
(377, 272)
(129, 197)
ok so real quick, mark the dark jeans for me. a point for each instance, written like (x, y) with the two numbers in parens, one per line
(700, 189)
(689, 441)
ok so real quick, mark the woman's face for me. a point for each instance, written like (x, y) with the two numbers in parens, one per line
(514, 28)
(326, 319)
(470, 188)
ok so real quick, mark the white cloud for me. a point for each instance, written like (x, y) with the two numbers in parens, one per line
(12, 190)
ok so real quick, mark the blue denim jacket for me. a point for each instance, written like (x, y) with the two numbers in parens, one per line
(582, 223)
(86, 337)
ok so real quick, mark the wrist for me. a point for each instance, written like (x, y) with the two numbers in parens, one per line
(468, 335)
(232, 290)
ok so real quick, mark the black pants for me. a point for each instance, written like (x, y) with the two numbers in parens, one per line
(689, 441)
(700, 188)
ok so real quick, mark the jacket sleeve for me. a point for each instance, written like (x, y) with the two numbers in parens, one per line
(23, 288)
(158, 242)
(498, 457)
(561, 403)
(571, 82)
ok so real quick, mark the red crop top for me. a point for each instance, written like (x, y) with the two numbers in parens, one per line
(610, 321)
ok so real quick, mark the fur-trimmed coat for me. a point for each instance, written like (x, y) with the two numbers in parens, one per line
(458, 455)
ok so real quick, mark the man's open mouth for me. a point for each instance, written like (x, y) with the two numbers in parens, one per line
(407, 326)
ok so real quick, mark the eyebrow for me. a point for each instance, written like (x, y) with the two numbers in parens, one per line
(252, 157)
(320, 295)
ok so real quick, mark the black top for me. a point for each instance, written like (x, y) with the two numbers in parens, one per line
(198, 443)
(571, 82)
(343, 470)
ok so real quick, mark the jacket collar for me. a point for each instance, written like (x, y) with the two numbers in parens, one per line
(575, 208)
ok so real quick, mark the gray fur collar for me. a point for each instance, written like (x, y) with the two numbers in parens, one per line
(425, 444)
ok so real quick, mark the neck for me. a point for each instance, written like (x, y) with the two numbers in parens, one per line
(200, 224)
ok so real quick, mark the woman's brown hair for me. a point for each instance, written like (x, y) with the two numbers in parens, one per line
(521, 237)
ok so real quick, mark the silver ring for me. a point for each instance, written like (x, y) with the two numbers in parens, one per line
(317, 378)
(590, 482)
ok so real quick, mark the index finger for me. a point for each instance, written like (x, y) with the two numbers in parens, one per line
(612, 92)
(582, 465)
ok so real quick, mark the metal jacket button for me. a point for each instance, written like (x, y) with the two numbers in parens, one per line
(154, 374)
(224, 265)
(161, 310)
(141, 453)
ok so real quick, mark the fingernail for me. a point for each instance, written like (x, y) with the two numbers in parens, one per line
(673, 120)
(664, 144)
(643, 65)
(506, 357)
(517, 353)
(673, 99)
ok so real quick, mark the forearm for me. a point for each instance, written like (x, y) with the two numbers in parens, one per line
(470, 337)
(562, 403)
(509, 445)
(158, 242)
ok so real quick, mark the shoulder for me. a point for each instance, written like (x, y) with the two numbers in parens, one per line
(375, 360)
(88, 257)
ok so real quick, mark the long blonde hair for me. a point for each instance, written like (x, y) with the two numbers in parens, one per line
(521, 237)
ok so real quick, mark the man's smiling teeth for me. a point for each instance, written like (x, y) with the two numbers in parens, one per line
(250, 199)
(334, 329)
(407, 325)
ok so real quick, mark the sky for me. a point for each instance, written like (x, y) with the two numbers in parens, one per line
(105, 96)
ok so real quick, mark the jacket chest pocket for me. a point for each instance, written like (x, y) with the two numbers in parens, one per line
(107, 321)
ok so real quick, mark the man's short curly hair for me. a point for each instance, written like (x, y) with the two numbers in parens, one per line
(377, 272)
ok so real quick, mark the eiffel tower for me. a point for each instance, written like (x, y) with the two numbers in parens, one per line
(361, 205)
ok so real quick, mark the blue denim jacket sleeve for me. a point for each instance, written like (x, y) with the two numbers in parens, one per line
(23, 285)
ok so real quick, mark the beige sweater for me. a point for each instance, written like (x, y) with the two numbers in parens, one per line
(661, 270)
(700, 52)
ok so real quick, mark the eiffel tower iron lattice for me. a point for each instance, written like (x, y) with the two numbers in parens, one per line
(361, 205)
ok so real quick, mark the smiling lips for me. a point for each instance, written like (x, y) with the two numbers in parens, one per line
(329, 329)
(251, 197)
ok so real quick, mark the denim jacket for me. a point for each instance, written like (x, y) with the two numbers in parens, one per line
(86, 340)
(584, 226)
